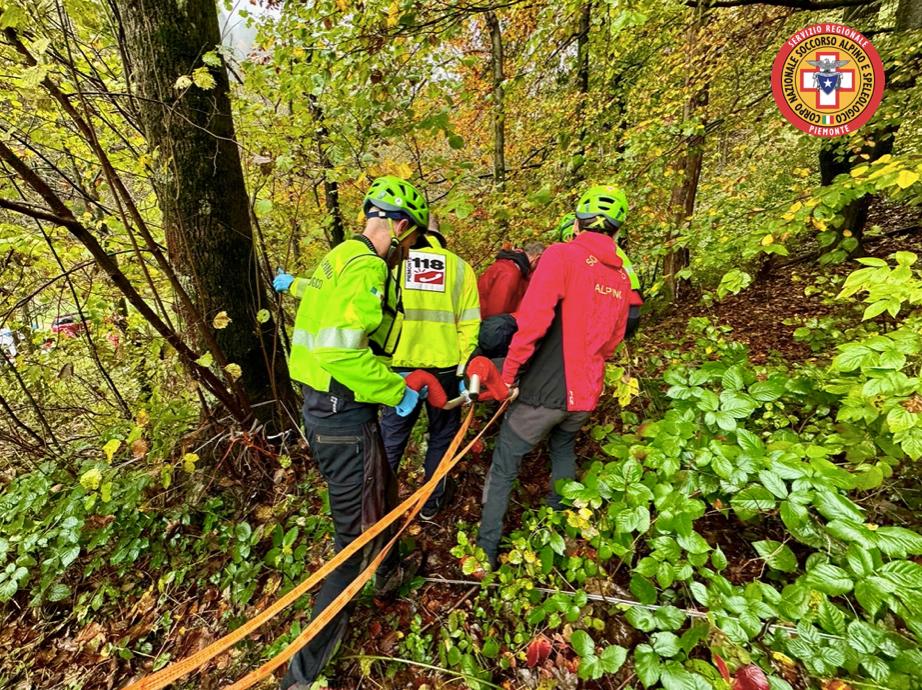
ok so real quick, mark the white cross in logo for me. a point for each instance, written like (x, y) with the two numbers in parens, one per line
(825, 100)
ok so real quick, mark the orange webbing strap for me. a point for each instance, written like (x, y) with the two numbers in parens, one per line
(180, 668)
(316, 625)
(177, 670)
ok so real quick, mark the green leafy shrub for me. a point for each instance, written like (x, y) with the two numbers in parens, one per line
(739, 450)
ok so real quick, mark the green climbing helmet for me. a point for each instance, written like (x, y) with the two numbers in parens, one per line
(395, 195)
(564, 231)
(602, 202)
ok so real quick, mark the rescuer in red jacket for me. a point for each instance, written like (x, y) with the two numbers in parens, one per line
(570, 321)
(503, 284)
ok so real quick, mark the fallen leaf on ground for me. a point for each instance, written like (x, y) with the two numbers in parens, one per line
(538, 650)
(750, 677)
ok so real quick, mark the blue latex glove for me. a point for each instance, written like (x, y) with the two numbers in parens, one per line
(464, 393)
(282, 281)
(408, 403)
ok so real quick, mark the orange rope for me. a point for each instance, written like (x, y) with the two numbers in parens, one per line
(413, 503)
(316, 625)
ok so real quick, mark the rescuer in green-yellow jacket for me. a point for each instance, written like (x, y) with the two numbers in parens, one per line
(440, 328)
(347, 327)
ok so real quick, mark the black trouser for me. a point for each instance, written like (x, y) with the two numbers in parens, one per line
(362, 489)
(523, 428)
(443, 425)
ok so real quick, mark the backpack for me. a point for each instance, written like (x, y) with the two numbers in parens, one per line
(496, 335)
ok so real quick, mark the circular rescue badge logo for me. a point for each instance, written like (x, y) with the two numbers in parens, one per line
(827, 80)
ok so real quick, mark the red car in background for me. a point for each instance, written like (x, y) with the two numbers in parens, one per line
(68, 325)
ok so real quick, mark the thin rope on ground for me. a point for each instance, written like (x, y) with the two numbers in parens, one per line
(620, 600)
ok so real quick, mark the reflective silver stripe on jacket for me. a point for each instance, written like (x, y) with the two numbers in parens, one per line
(458, 287)
(431, 315)
(346, 338)
(472, 314)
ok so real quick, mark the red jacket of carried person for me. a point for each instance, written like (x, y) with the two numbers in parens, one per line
(571, 319)
(503, 284)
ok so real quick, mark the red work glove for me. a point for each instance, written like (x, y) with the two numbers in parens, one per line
(492, 386)
(419, 379)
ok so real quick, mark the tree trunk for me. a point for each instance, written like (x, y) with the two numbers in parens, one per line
(909, 15)
(499, 113)
(682, 202)
(582, 48)
(582, 87)
(331, 199)
(334, 220)
(199, 180)
(334, 228)
(836, 158)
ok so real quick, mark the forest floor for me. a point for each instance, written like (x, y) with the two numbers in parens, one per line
(57, 652)
(757, 316)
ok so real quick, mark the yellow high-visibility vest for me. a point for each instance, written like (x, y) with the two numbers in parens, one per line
(441, 310)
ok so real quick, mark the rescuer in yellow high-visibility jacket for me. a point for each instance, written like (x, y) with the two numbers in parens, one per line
(440, 328)
(347, 327)
(441, 309)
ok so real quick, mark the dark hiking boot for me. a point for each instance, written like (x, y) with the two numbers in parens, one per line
(434, 506)
(391, 583)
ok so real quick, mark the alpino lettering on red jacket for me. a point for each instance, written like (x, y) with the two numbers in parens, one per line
(608, 290)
